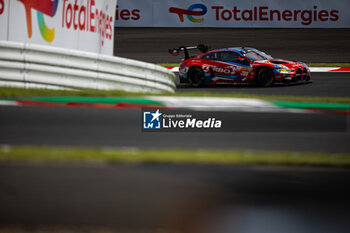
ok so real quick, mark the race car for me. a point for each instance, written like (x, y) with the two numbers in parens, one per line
(238, 65)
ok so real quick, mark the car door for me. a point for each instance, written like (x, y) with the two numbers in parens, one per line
(224, 66)
(210, 66)
(234, 64)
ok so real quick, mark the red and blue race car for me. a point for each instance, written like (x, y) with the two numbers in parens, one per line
(238, 65)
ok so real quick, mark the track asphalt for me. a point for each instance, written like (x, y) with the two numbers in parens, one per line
(175, 198)
(307, 45)
(122, 128)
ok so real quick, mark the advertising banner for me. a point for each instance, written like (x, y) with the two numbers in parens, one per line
(75, 24)
(4, 5)
(233, 14)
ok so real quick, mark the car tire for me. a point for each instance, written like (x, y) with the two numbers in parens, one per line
(196, 76)
(265, 77)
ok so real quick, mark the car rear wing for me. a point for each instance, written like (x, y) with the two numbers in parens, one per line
(201, 47)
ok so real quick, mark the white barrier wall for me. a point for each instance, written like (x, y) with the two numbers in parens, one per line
(37, 66)
(238, 13)
(75, 24)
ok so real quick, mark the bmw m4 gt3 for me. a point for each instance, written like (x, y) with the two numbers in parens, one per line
(238, 65)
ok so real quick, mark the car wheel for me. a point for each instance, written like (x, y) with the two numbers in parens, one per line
(265, 77)
(196, 76)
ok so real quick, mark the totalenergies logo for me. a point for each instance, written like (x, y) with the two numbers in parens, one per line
(194, 10)
(2, 6)
(47, 7)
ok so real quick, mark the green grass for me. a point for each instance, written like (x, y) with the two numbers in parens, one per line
(169, 64)
(309, 64)
(172, 156)
(18, 93)
(10, 92)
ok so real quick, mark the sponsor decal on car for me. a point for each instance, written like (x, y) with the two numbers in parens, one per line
(230, 70)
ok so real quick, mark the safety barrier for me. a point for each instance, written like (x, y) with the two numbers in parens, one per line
(38, 66)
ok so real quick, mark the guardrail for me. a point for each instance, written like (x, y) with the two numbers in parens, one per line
(38, 66)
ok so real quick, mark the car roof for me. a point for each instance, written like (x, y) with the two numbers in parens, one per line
(235, 49)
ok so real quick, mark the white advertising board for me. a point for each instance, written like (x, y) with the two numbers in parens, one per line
(75, 24)
(4, 5)
(231, 14)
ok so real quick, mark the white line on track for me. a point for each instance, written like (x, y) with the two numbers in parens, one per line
(222, 104)
(8, 103)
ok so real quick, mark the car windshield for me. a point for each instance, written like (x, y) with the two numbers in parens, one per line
(256, 55)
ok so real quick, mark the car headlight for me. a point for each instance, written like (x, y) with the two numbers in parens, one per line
(283, 69)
